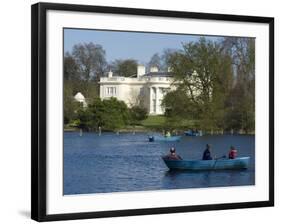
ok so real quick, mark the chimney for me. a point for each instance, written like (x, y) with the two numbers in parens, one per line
(140, 70)
(110, 73)
(153, 69)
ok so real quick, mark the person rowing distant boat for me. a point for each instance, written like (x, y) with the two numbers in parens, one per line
(168, 134)
(172, 155)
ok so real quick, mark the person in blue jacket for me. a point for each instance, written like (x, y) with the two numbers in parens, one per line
(207, 153)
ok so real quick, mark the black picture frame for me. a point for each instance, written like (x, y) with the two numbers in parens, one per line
(39, 122)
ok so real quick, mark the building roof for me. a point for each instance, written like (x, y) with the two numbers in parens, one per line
(158, 74)
(79, 97)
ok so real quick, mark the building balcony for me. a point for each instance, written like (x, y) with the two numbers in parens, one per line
(140, 80)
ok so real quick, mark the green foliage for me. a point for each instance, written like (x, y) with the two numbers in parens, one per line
(241, 101)
(215, 84)
(125, 68)
(241, 111)
(200, 75)
(116, 114)
(88, 88)
(109, 114)
(85, 119)
(138, 114)
(82, 69)
(178, 104)
(70, 106)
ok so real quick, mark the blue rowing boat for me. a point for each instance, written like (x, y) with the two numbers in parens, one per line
(193, 133)
(216, 164)
(164, 139)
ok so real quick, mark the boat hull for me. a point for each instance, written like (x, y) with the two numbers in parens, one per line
(219, 164)
(164, 139)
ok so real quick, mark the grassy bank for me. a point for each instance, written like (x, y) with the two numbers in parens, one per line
(154, 121)
(160, 123)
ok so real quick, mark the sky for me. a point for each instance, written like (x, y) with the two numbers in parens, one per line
(127, 45)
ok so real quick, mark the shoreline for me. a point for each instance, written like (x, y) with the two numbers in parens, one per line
(146, 130)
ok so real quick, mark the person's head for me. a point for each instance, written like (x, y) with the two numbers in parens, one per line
(208, 146)
(172, 150)
(232, 148)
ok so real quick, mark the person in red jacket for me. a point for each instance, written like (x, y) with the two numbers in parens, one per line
(172, 155)
(232, 153)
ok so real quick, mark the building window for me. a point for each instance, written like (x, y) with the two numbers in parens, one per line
(111, 91)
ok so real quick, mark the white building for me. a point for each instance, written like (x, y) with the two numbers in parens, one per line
(146, 89)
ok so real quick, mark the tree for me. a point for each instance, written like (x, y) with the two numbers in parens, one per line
(88, 88)
(184, 109)
(85, 119)
(155, 61)
(125, 68)
(82, 70)
(138, 114)
(215, 82)
(91, 60)
(166, 58)
(203, 76)
(242, 98)
(109, 114)
(116, 114)
(178, 107)
(70, 67)
(69, 105)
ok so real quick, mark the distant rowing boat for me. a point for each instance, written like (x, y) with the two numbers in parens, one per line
(217, 164)
(164, 139)
(193, 133)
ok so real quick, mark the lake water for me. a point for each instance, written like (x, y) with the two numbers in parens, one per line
(127, 162)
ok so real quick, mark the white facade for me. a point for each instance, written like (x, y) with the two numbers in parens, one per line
(146, 89)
